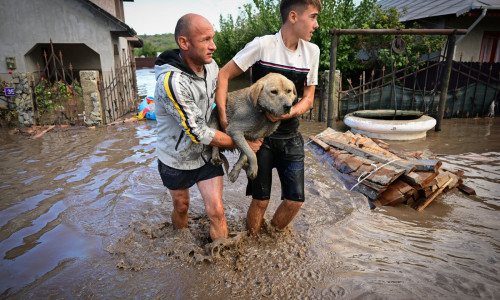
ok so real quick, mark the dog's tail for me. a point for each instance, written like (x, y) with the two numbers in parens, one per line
(225, 162)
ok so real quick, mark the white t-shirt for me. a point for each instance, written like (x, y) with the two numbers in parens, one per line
(270, 52)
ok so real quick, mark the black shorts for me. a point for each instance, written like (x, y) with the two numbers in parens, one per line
(175, 179)
(287, 156)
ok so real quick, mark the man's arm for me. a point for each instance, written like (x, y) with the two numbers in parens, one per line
(305, 104)
(223, 140)
(228, 72)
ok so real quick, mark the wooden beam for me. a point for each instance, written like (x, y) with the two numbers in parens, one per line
(419, 179)
(320, 143)
(375, 157)
(423, 205)
(467, 190)
(43, 132)
(399, 31)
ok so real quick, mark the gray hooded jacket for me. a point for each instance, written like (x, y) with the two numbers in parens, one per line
(183, 104)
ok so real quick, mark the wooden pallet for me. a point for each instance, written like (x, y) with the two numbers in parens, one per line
(368, 166)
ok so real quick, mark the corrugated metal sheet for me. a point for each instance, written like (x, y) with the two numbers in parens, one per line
(423, 9)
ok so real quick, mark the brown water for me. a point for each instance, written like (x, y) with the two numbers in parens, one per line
(83, 214)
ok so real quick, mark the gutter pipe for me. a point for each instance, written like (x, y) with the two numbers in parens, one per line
(483, 14)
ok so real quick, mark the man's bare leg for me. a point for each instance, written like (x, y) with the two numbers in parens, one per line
(285, 213)
(211, 191)
(255, 216)
(179, 216)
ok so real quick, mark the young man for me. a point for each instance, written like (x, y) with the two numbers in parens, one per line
(290, 53)
(184, 94)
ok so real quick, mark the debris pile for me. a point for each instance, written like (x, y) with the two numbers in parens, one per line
(368, 166)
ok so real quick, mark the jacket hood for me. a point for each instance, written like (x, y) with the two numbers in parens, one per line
(170, 60)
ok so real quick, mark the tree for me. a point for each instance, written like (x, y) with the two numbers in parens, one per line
(148, 50)
(250, 23)
(342, 14)
(265, 19)
(155, 43)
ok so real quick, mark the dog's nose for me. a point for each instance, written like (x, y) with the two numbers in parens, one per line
(287, 107)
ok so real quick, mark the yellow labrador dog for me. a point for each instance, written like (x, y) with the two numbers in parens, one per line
(246, 109)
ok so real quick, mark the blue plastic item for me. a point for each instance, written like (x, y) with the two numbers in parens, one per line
(147, 108)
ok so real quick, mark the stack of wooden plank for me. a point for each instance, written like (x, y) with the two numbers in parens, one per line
(368, 166)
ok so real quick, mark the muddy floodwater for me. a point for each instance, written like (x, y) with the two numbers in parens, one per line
(83, 214)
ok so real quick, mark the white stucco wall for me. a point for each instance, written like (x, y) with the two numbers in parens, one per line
(470, 45)
(25, 23)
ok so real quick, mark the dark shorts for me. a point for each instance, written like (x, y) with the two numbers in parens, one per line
(175, 179)
(287, 156)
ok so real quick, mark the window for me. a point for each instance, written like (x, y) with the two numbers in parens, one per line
(490, 47)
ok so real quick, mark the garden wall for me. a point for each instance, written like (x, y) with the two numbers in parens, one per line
(23, 103)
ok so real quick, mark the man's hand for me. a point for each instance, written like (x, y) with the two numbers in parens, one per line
(223, 124)
(255, 145)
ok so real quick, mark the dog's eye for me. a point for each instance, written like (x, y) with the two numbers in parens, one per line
(288, 91)
(275, 92)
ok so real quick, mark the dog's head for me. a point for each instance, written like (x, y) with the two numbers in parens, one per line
(273, 93)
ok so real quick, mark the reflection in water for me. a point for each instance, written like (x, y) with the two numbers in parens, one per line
(146, 82)
(84, 214)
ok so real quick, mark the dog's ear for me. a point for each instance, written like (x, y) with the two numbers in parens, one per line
(296, 97)
(255, 91)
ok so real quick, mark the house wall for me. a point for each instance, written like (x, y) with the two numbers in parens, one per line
(26, 23)
(470, 45)
(114, 7)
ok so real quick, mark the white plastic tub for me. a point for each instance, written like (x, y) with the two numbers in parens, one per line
(388, 129)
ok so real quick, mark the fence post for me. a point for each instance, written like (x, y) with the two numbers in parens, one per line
(332, 107)
(23, 99)
(92, 113)
(336, 96)
(446, 79)
(324, 96)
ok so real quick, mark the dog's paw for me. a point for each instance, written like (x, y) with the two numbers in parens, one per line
(252, 172)
(216, 161)
(233, 175)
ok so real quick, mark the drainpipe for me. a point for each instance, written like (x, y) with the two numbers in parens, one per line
(473, 25)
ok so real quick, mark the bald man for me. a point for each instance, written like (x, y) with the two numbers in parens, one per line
(186, 79)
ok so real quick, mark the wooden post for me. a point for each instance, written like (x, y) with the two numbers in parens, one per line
(363, 90)
(446, 79)
(324, 96)
(336, 96)
(332, 111)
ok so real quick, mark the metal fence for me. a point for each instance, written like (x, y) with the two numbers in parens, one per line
(56, 92)
(434, 84)
(472, 89)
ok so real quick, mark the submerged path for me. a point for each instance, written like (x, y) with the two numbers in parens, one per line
(84, 214)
